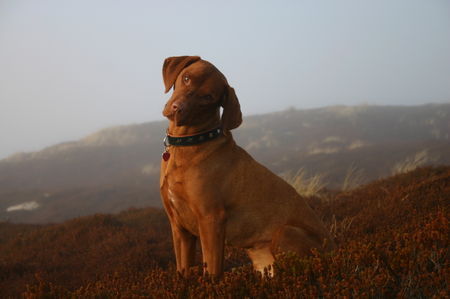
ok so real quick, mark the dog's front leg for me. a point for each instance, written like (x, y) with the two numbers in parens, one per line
(212, 239)
(184, 246)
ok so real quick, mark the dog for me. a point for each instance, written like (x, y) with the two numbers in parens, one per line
(214, 190)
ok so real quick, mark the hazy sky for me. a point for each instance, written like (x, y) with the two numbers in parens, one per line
(68, 68)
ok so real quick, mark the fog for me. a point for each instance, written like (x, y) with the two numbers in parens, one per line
(69, 68)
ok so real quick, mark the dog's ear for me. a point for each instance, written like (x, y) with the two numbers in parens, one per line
(173, 66)
(232, 115)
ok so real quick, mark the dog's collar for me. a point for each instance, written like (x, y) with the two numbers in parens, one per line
(192, 139)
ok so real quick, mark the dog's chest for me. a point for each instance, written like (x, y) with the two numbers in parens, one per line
(177, 201)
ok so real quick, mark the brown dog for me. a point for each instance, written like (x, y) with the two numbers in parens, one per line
(212, 189)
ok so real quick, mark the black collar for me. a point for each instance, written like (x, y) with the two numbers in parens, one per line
(193, 139)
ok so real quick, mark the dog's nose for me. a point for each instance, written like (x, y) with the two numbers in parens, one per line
(176, 106)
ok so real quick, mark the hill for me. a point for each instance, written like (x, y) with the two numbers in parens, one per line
(393, 237)
(117, 168)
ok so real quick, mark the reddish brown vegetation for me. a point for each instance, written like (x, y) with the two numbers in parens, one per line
(393, 240)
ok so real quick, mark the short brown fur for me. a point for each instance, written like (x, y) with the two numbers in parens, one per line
(215, 190)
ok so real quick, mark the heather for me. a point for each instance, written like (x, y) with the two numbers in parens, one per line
(392, 235)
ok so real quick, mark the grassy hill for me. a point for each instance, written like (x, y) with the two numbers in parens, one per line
(117, 168)
(393, 237)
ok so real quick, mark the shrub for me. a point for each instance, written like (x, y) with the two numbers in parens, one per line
(393, 238)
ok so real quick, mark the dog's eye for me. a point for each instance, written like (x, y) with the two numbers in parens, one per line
(186, 79)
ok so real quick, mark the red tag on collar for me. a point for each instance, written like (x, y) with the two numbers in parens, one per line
(166, 156)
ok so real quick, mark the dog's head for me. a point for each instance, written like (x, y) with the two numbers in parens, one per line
(200, 89)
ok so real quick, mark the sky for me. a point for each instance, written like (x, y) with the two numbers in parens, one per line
(70, 68)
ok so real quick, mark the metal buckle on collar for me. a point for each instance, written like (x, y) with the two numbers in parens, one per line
(165, 141)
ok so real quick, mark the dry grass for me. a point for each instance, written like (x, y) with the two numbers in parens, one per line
(353, 178)
(413, 162)
(305, 185)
